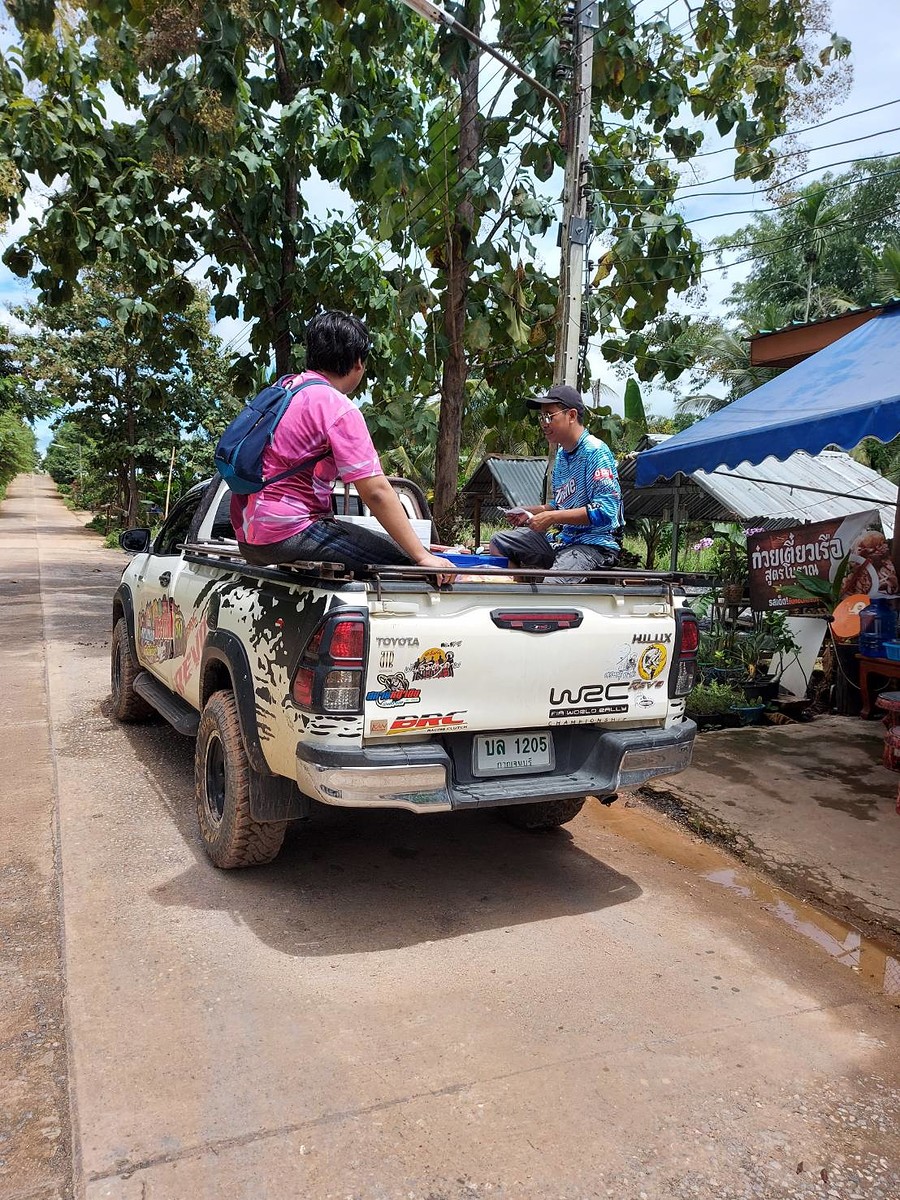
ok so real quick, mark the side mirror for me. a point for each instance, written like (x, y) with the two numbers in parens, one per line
(135, 541)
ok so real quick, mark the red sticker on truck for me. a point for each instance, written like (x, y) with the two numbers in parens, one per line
(428, 721)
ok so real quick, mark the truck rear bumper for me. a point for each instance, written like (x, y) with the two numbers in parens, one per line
(429, 778)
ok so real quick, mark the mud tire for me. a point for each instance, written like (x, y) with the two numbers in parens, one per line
(125, 703)
(230, 836)
(544, 814)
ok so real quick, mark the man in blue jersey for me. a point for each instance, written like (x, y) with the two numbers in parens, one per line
(581, 528)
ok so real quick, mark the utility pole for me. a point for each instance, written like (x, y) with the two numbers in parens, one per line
(575, 231)
(574, 137)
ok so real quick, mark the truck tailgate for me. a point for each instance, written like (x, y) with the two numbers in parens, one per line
(517, 662)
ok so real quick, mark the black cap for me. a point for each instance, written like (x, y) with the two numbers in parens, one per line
(562, 394)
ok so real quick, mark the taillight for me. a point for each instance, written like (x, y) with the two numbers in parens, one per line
(687, 642)
(348, 640)
(329, 676)
(690, 637)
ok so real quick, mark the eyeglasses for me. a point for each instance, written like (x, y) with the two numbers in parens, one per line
(545, 418)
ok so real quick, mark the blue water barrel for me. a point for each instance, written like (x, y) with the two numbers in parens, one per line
(877, 625)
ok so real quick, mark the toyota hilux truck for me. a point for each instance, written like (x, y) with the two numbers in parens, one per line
(302, 684)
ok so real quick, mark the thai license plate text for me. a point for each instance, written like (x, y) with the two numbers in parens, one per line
(513, 753)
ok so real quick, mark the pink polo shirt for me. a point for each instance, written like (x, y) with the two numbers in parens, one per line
(318, 418)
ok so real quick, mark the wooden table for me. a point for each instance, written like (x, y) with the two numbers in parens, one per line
(884, 667)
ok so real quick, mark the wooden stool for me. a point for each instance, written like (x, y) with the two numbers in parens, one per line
(890, 755)
(890, 703)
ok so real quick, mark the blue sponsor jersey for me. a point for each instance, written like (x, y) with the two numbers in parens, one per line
(586, 477)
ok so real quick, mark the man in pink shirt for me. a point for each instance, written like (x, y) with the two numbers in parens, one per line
(292, 519)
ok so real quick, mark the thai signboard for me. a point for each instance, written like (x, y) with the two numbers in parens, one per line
(777, 556)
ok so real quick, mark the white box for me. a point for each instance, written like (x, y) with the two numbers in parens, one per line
(421, 528)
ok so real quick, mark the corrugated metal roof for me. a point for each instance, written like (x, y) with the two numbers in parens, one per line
(848, 312)
(503, 481)
(802, 488)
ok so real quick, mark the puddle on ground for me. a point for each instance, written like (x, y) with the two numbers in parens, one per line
(866, 958)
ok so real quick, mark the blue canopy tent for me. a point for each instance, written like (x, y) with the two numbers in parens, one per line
(838, 396)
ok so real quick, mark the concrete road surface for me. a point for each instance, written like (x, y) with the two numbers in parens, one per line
(401, 1007)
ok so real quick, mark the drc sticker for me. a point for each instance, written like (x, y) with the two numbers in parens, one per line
(434, 664)
(395, 691)
(454, 720)
(652, 661)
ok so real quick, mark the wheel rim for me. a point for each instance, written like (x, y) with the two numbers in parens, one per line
(214, 772)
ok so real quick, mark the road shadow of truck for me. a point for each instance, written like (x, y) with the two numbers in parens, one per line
(352, 881)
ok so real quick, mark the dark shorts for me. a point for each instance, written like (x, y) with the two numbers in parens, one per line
(528, 548)
(333, 542)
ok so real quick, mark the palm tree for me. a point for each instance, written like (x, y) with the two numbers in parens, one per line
(813, 219)
(886, 271)
(721, 354)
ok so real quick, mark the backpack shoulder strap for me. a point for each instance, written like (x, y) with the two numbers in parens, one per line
(307, 462)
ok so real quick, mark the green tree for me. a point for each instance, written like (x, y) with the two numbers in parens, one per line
(233, 108)
(885, 269)
(17, 447)
(819, 253)
(132, 389)
(69, 457)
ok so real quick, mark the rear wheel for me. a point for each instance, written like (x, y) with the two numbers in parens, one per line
(544, 814)
(230, 836)
(126, 704)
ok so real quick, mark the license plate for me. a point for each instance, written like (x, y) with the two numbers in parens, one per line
(513, 753)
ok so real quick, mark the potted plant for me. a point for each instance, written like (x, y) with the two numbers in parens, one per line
(730, 550)
(714, 704)
(718, 657)
(814, 590)
(822, 597)
(759, 648)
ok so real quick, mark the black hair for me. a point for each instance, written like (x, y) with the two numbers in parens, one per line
(336, 342)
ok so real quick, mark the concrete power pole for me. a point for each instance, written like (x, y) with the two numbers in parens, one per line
(575, 230)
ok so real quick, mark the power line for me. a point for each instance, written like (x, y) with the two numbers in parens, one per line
(830, 145)
(761, 212)
(806, 129)
(800, 174)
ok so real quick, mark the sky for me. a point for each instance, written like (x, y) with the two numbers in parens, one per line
(876, 80)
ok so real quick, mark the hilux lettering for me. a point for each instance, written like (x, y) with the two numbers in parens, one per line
(647, 638)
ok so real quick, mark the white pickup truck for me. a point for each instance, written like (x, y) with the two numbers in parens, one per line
(303, 684)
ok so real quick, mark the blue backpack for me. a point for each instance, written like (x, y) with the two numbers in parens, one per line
(238, 456)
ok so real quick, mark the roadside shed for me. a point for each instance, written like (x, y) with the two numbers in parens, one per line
(772, 494)
(502, 481)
